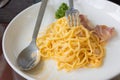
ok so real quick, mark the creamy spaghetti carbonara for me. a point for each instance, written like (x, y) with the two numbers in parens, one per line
(71, 47)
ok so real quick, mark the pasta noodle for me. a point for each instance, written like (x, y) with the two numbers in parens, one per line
(71, 47)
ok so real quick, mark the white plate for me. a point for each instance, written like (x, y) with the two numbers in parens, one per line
(18, 35)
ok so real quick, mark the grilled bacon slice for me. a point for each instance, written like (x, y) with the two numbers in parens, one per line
(104, 32)
(85, 22)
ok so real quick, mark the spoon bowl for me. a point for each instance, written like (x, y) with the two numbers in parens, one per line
(29, 57)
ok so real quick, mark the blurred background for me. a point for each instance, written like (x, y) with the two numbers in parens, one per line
(13, 7)
(7, 13)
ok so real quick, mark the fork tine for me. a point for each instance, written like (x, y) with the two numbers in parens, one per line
(68, 17)
(78, 19)
(69, 20)
(73, 19)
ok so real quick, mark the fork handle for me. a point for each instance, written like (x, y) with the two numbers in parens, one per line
(71, 4)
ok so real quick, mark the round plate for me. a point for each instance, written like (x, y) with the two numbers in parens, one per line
(19, 32)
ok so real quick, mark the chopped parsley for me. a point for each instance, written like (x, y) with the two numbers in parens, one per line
(61, 11)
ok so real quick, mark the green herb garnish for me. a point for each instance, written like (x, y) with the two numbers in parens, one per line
(61, 11)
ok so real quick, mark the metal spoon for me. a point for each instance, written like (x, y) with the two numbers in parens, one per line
(30, 56)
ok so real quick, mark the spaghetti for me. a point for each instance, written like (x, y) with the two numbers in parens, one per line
(71, 47)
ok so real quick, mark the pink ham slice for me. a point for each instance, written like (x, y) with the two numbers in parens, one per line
(85, 22)
(104, 32)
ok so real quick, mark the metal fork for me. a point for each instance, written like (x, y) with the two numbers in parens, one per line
(72, 15)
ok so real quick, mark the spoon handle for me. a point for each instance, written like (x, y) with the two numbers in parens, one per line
(39, 19)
